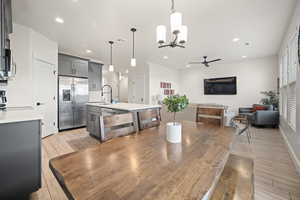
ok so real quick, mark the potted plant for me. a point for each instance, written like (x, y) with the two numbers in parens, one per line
(175, 104)
(270, 99)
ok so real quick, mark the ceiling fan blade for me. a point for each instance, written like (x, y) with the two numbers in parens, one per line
(195, 63)
(214, 60)
(165, 45)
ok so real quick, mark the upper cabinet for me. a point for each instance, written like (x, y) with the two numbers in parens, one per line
(95, 76)
(5, 29)
(72, 66)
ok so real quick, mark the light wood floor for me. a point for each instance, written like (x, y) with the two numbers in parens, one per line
(275, 175)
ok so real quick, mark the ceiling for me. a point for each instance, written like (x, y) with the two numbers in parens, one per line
(212, 24)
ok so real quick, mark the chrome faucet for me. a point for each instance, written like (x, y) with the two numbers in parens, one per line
(110, 87)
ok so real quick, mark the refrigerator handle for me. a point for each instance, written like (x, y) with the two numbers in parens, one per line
(73, 94)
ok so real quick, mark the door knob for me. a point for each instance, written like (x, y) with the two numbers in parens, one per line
(39, 104)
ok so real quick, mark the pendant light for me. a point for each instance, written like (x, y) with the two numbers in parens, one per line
(177, 29)
(111, 66)
(133, 60)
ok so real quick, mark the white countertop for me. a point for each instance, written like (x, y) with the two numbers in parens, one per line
(125, 106)
(18, 115)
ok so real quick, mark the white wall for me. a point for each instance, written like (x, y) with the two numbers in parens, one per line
(112, 79)
(253, 76)
(123, 89)
(138, 84)
(28, 45)
(158, 74)
(19, 89)
(293, 138)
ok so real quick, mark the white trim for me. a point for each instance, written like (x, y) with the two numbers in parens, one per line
(291, 150)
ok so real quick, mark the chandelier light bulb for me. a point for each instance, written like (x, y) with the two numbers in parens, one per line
(176, 22)
(161, 32)
(182, 36)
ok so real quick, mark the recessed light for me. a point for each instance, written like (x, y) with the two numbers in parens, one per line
(244, 56)
(121, 40)
(235, 39)
(165, 57)
(188, 66)
(127, 71)
(59, 20)
(88, 51)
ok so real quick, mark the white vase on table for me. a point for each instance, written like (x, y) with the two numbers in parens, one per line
(174, 132)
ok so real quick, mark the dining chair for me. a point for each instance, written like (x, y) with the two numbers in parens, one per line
(149, 118)
(242, 124)
(117, 125)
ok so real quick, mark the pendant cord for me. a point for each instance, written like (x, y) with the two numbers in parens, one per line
(173, 6)
(133, 44)
(111, 54)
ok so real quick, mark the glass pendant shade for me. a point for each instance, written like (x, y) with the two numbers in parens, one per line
(176, 22)
(111, 68)
(133, 62)
(161, 32)
(182, 36)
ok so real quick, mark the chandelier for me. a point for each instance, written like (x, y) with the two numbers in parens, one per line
(178, 30)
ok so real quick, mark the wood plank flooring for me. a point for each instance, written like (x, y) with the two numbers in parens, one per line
(275, 175)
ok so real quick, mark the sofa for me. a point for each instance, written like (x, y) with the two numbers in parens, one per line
(261, 115)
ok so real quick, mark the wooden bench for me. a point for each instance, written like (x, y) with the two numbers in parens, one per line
(116, 125)
(149, 118)
(236, 181)
(210, 115)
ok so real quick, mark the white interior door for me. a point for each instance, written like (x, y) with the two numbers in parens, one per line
(45, 95)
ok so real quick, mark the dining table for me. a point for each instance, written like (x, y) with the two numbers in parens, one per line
(145, 166)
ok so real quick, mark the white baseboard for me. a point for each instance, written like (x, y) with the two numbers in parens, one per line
(291, 150)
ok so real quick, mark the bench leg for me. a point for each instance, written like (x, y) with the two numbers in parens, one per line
(136, 121)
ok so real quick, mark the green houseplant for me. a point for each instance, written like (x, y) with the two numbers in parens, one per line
(175, 104)
(271, 98)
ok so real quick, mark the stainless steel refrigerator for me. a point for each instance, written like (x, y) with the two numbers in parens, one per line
(73, 96)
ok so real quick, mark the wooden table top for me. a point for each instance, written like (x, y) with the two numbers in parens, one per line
(145, 166)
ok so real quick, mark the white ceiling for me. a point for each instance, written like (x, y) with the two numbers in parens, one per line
(212, 24)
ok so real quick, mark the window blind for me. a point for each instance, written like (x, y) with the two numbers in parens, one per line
(292, 105)
(288, 63)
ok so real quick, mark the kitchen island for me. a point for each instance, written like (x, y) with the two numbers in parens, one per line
(95, 111)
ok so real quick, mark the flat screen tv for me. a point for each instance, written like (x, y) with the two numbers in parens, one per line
(220, 86)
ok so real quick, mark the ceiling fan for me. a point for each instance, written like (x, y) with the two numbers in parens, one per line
(205, 61)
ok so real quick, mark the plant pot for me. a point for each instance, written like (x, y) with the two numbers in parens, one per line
(174, 132)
